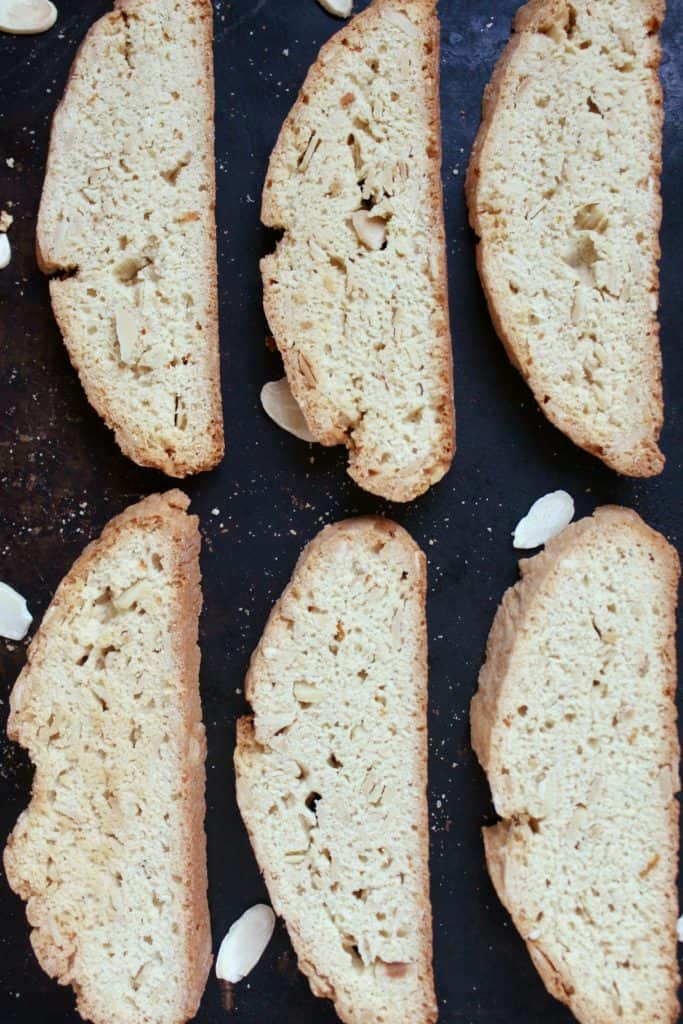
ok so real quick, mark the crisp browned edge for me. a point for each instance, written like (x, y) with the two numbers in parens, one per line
(168, 513)
(392, 489)
(246, 738)
(492, 680)
(528, 20)
(128, 443)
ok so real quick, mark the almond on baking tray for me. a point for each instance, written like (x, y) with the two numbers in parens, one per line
(25, 17)
(340, 8)
(279, 403)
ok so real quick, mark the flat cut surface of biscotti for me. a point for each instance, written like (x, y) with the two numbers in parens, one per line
(575, 724)
(332, 771)
(363, 327)
(127, 226)
(111, 854)
(563, 190)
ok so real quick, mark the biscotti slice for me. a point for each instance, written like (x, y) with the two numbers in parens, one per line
(127, 230)
(332, 771)
(575, 725)
(110, 855)
(356, 292)
(563, 191)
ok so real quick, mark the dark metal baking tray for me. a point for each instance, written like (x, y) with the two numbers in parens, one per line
(62, 477)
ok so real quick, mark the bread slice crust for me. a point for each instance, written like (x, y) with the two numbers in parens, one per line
(364, 334)
(126, 230)
(634, 974)
(577, 313)
(372, 958)
(118, 913)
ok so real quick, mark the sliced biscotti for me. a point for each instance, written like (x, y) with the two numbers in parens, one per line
(356, 291)
(110, 855)
(127, 229)
(563, 191)
(332, 771)
(575, 724)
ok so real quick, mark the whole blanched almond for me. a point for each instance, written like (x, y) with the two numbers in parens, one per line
(340, 8)
(15, 617)
(283, 409)
(5, 251)
(243, 946)
(545, 519)
(25, 17)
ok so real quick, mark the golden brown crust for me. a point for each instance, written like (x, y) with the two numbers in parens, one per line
(367, 530)
(212, 447)
(408, 484)
(164, 513)
(514, 618)
(646, 460)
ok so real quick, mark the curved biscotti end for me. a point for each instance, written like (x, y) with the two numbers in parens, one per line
(629, 450)
(643, 458)
(575, 724)
(126, 227)
(356, 292)
(340, 832)
(110, 854)
(403, 482)
(373, 536)
(568, 220)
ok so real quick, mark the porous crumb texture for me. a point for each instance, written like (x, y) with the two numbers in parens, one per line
(563, 190)
(332, 771)
(575, 724)
(356, 291)
(127, 228)
(111, 854)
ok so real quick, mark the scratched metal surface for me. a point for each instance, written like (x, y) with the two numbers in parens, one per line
(62, 478)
